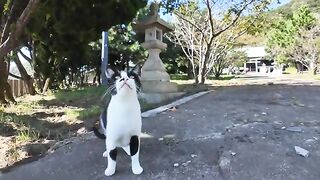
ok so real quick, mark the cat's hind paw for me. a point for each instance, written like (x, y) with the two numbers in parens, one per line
(109, 171)
(137, 170)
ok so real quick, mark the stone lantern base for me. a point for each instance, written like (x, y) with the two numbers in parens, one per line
(156, 85)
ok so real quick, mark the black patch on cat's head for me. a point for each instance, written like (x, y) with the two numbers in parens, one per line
(136, 79)
(113, 75)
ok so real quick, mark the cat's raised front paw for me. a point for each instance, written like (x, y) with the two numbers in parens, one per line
(105, 154)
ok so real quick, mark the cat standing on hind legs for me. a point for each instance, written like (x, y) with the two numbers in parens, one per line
(124, 120)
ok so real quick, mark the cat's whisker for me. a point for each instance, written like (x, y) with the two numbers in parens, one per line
(108, 91)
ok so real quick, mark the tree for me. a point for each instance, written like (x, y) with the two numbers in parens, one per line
(200, 24)
(295, 39)
(65, 39)
(14, 18)
(232, 59)
(307, 48)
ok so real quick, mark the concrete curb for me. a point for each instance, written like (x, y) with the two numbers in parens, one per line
(178, 102)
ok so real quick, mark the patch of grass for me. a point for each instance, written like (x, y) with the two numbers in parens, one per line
(146, 106)
(13, 153)
(83, 113)
(90, 112)
(222, 77)
(27, 135)
(179, 77)
(290, 70)
(317, 77)
(79, 93)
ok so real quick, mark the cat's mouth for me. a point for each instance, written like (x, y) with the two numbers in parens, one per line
(126, 85)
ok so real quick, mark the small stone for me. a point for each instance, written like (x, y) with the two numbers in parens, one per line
(175, 164)
(224, 162)
(277, 96)
(310, 140)
(233, 153)
(160, 139)
(173, 108)
(294, 129)
(301, 151)
(186, 163)
(82, 130)
(264, 113)
(277, 122)
(193, 155)
(283, 127)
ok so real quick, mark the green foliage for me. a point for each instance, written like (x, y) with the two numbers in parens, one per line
(294, 5)
(124, 46)
(236, 58)
(63, 33)
(174, 59)
(284, 33)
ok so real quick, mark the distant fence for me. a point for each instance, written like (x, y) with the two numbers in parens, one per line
(19, 87)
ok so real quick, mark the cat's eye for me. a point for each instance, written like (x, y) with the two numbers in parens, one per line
(132, 77)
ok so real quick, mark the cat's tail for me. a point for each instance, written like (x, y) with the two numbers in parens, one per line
(98, 134)
(103, 125)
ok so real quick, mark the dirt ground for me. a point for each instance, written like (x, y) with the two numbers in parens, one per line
(235, 132)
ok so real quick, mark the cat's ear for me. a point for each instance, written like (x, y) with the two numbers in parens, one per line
(109, 73)
(136, 69)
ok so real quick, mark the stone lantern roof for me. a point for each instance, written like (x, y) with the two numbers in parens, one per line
(152, 20)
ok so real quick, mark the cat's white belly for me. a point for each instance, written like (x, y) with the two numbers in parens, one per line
(123, 122)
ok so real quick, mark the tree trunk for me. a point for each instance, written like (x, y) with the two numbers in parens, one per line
(9, 41)
(3, 81)
(5, 88)
(97, 76)
(202, 78)
(190, 75)
(313, 68)
(9, 94)
(25, 77)
(217, 75)
(46, 85)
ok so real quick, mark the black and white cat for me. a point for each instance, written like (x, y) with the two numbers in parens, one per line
(121, 121)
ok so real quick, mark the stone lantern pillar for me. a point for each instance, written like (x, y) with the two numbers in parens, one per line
(155, 80)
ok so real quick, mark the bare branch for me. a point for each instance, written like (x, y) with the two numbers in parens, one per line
(238, 14)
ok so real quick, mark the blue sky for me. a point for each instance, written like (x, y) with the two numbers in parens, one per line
(273, 5)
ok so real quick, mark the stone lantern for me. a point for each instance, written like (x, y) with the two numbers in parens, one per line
(155, 80)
